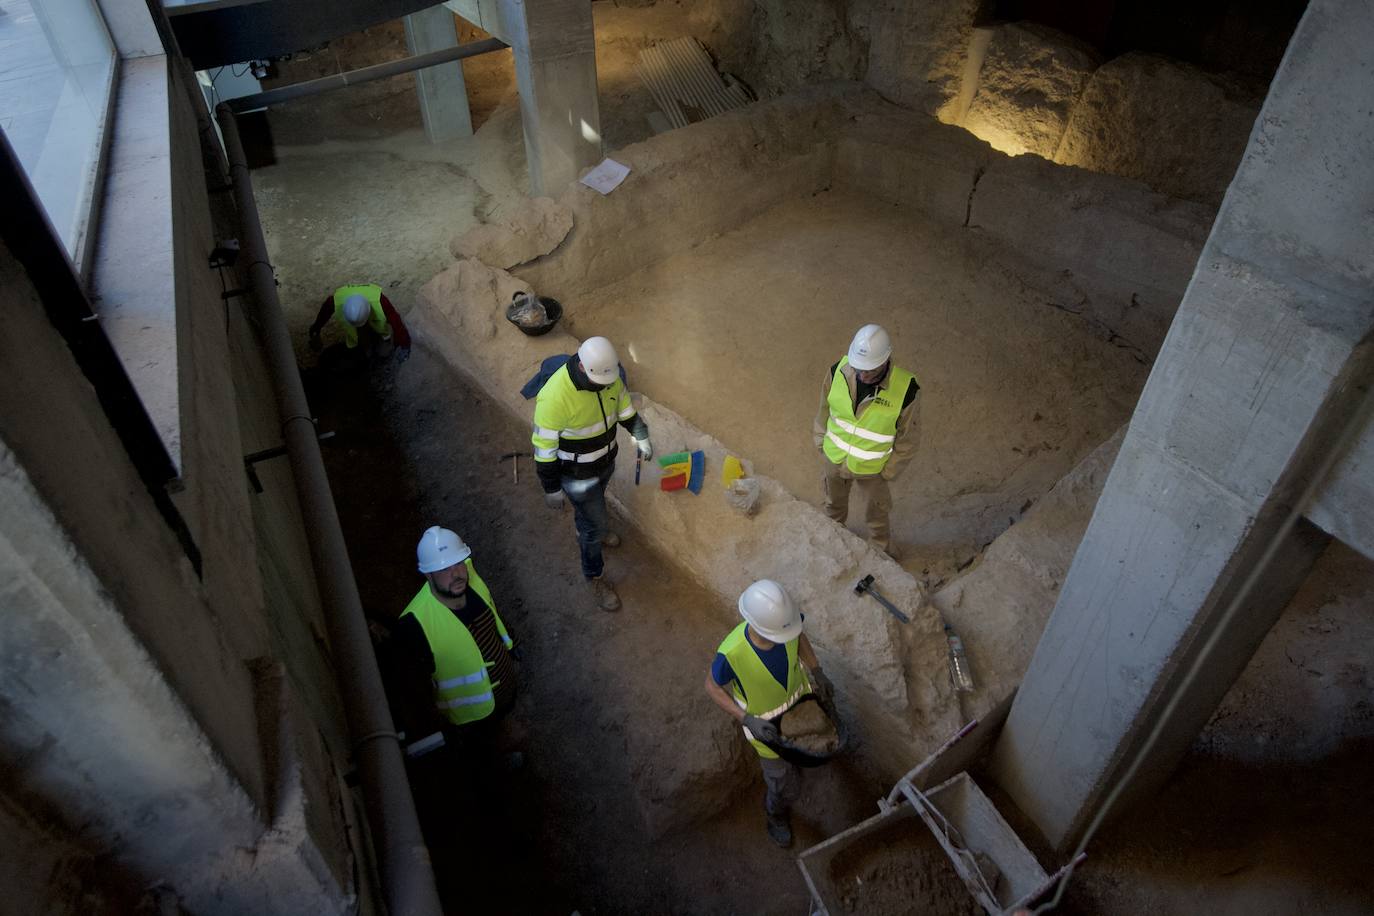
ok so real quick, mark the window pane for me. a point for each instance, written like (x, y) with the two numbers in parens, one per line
(56, 63)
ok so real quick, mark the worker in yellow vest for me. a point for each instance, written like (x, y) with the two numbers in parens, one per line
(450, 641)
(576, 415)
(867, 429)
(756, 676)
(368, 323)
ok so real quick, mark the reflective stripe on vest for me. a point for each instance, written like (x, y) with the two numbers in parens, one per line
(575, 425)
(376, 321)
(460, 680)
(467, 701)
(762, 695)
(865, 442)
(585, 457)
(462, 685)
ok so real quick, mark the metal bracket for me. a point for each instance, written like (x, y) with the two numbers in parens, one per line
(254, 457)
(225, 253)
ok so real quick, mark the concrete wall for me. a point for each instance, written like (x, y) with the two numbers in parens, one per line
(1191, 551)
(180, 727)
(1342, 508)
(44, 863)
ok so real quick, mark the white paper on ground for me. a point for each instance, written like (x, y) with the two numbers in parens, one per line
(606, 177)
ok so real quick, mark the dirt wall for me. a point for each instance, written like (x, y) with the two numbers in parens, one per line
(1097, 246)
(1173, 126)
(917, 50)
(1000, 605)
(1168, 123)
(1028, 84)
(693, 186)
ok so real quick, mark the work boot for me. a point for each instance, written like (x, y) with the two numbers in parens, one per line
(603, 592)
(780, 832)
(610, 539)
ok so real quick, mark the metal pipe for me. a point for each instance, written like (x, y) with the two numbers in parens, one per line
(407, 877)
(365, 74)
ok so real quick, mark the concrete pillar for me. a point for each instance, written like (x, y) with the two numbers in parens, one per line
(1258, 377)
(555, 70)
(443, 94)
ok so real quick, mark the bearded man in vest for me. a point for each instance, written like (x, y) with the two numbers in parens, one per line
(450, 643)
(368, 324)
(576, 415)
(756, 676)
(866, 429)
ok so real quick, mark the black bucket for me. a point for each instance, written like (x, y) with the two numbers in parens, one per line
(517, 314)
(804, 758)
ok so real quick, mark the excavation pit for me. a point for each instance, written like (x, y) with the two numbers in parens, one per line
(731, 268)
(736, 262)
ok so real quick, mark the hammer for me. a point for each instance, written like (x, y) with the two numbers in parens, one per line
(865, 587)
(514, 463)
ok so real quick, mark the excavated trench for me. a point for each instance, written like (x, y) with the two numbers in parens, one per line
(731, 268)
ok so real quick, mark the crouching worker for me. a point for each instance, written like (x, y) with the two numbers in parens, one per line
(760, 665)
(371, 328)
(450, 644)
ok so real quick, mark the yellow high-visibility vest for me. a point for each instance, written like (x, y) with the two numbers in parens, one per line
(864, 443)
(575, 425)
(462, 684)
(755, 689)
(376, 321)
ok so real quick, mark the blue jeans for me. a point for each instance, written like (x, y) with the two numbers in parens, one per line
(588, 498)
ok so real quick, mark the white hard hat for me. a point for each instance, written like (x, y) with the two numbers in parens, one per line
(770, 611)
(870, 348)
(439, 549)
(599, 360)
(356, 310)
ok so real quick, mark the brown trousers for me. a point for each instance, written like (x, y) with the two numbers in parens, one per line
(836, 483)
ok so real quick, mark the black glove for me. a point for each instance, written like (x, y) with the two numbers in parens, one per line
(517, 653)
(762, 729)
(315, 344)
(822, 687)
(402, 354)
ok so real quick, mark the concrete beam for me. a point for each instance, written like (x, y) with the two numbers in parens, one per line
(485, 14)
(555, 70)
(443, 94)
(1252, 391)
(1345, 507)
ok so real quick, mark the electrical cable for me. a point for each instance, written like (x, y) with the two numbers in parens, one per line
(214, 89)
(1358, 421)
(223, 288)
